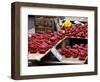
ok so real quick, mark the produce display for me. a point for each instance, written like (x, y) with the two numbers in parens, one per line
(77, 30)
(67, 38)
(41, 42)
(75, 51)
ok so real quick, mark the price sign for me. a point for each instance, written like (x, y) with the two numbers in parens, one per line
(56, 54)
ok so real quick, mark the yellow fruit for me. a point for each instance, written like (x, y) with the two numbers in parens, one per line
(67, 24)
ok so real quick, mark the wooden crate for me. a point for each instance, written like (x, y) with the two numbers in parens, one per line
(43, 24)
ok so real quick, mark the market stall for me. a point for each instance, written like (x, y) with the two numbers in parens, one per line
(58, 40)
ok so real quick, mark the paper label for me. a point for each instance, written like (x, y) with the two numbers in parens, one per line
(56, 54)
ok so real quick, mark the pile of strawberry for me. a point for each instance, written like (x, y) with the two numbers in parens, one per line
(77, 30)
(75, 51)
(42, 42)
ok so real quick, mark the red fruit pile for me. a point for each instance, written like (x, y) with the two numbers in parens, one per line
(76, 51)
(77, 30)
(42, 42)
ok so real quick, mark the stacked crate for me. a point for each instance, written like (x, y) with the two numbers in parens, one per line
(44, 24)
